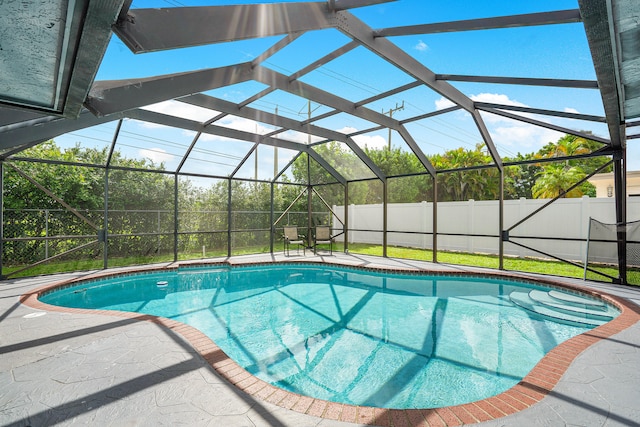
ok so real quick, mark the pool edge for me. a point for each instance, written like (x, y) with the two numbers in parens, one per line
(529, 391)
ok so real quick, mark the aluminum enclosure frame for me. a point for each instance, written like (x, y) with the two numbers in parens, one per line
(143, 30)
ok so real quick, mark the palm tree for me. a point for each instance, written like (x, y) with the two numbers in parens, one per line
(568, 145)
(554, 180)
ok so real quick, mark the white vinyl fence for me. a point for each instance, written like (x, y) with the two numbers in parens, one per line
(473, 226)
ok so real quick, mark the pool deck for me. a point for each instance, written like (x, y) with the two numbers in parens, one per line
(63, 367)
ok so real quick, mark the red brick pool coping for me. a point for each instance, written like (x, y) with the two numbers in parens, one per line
(529, 391)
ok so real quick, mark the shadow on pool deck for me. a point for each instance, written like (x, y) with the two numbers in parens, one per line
(88, 368)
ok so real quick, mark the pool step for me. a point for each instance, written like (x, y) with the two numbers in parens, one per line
(574, 308)
(577, 300)
(577, 309)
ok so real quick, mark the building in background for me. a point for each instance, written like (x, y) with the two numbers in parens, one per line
(604, 184)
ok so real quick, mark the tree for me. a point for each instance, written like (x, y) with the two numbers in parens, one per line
(396, 162)
(479, 184)
(31, 212)
(554, 180)
(520, 179)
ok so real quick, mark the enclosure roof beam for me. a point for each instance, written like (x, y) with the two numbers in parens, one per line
(37, 132)
(210, 102)
(283, 122)
(599, 31)
(281, 44)
(417, 150)
(282, 82)
(525, 81)
(388, 51)
(487, 106)
(486, 136)
(292, 161)
(358, 30)
(389, 93)
(115, 96)
(322, 162)
(325, 59)
(547, 125)
(351, 4)
(430, 114)
(180, 123)
(512, 21)
(145, 30)
(14, 118)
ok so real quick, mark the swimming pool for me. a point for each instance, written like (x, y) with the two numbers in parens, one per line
(357, 336)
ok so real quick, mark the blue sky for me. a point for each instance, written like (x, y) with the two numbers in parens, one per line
(556, 51)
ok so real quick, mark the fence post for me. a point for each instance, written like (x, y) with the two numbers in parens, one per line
(471, 208)
(346, 217)
(585, 212)
(351, 226)
(425, 222)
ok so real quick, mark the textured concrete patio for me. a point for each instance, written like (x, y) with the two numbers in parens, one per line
(60, 368)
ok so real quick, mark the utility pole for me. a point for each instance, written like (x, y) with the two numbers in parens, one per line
(390, 112)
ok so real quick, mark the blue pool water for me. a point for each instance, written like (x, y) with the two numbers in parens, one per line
(348, 335)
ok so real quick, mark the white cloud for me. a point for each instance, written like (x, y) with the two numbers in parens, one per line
(522, 137)
(517, 135)
(443, 103)
(571, 110)
(512, 135)
(496, 98)
(421, 46)
(375, 142)
(157, 155)
(347, 130)
(237, 123)
(490, 98)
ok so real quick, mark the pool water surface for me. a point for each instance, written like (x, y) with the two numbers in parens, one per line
(348, 335)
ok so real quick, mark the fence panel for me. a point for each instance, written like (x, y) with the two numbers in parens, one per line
(473, 226)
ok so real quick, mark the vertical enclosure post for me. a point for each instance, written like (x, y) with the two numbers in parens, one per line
(175, 218)
(501, 222)
(346, 217)
(229, 218)
(104, 234)
(384, 218)
(619, 177)
(272, 227)
(435, 218)
(309, 214)
(309, 200)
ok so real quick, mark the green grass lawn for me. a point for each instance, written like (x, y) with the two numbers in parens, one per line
(529, 265)
(489, 261)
